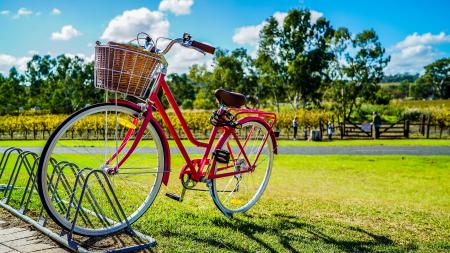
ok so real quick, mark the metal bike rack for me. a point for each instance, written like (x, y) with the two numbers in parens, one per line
(22, 198)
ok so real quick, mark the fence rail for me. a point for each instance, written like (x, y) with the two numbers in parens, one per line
(347, 130)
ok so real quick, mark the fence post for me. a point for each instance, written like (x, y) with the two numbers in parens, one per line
(428, 126)
(371, 132)
(422, 125)
(406, 129)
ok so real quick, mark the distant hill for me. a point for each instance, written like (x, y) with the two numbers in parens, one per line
(397, 78)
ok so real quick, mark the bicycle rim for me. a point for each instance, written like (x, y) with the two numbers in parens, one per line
(238, 193)
(86, 141)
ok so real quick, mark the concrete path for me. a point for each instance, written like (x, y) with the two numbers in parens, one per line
(21, 239)
(329, 150)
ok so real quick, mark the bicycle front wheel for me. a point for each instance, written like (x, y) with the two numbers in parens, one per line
(86, 142)
(239, 192)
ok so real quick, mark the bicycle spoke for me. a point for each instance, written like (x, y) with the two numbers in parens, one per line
(237, 193)
(137, 181)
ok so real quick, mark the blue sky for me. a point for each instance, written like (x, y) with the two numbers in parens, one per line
(415, 33)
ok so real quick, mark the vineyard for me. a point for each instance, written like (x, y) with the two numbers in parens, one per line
(40, 126)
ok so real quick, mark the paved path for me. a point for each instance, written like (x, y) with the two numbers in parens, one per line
(329, 150)
(368, 150)
(19, 239)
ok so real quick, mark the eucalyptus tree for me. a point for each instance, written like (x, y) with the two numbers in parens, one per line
(364, 70)
(437, 74)
(295, 55)
(356, 70)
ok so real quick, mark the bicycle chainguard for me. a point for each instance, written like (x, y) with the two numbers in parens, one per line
(222, 156)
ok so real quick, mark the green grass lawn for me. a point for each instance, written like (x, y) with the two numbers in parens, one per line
(337, 203)
(282, 143)
(333, 203)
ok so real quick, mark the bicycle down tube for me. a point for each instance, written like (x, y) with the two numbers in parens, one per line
(196, 174)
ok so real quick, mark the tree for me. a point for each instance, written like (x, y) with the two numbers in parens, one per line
(361, 73)
(438, 75)
(340, 43)
(400, 77)
(233, 71)
(12, 94)
(272, 74)
(299, 53)
(421, 89)
(182, 87)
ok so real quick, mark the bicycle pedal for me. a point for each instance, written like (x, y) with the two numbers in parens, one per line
(222, 156)
(174, 196)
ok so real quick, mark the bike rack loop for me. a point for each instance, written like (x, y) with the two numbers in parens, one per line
(29, 161)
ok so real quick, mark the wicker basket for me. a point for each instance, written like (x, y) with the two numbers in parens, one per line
(125, 69)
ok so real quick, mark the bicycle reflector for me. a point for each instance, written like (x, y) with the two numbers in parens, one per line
(222, 156)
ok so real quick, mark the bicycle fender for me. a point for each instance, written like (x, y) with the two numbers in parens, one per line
(260, 120)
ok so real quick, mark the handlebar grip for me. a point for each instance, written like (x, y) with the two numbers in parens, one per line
(205, 48)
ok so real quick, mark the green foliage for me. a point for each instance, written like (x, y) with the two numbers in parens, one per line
(295, 54)
(400, 78)
(59, 85)
(437, 74)
(182, 88)
(187, 104)
(382, 97)
(397, 90)
(300, 62)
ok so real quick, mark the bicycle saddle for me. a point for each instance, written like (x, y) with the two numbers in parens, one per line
(228, 98)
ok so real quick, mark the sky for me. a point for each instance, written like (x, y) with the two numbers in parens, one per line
(414, 33)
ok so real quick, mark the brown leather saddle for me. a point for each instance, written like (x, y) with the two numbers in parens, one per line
(228, 98)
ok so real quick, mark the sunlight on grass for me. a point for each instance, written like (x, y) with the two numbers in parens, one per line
(327, 204)
(281, 143)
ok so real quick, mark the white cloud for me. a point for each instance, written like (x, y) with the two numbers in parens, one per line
(22, 12)
(86, 58)
(250, 34)
(67, 32)
(247, 34)
(424, 39)
(315, 15)
(124, 27)
(180, 59)
(177, 7)
(9, 61)
(56, 11)
(4, 12)
(414, 52)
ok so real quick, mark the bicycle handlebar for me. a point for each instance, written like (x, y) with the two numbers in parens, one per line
(205, 48)
(187, 42)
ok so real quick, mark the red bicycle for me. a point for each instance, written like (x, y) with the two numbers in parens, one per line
(125, 141)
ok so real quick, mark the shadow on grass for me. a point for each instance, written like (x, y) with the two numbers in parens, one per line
(293, 235)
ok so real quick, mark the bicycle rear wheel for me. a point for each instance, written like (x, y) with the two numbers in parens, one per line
(238, 193)
(87, 141)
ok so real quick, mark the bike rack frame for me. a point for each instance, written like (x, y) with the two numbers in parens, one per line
(28, 161)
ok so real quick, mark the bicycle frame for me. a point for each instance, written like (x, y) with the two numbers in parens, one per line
(190, 166)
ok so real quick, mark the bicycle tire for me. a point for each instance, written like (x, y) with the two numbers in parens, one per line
(243, 202)
(108, 226)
